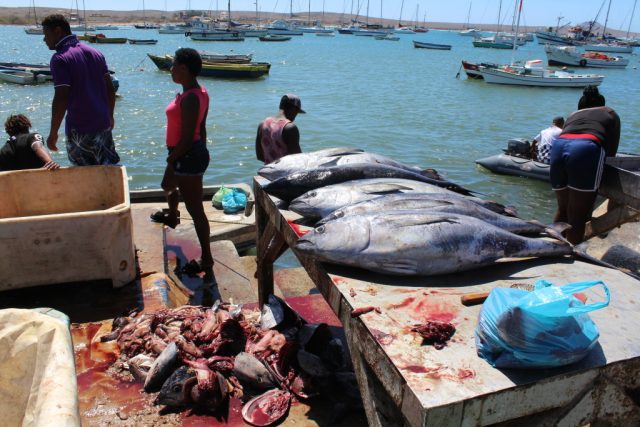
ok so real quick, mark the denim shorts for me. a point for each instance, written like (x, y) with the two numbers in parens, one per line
(576, 164)
(194, 162)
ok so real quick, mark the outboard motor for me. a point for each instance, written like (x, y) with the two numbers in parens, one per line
(519, 147)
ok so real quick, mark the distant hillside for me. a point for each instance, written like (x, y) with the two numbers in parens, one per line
(24, 16)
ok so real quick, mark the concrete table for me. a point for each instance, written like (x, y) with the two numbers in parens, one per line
(405, 383)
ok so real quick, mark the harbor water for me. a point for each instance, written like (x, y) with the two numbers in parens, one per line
(382, 96)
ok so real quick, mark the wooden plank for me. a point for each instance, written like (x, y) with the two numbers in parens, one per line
(621, 185)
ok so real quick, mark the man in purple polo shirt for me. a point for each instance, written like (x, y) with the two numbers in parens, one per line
(84, 92)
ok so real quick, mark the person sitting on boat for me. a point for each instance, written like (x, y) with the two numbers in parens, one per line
(577, 160)
(542, 143)
(278, 136)
(84, 93)
(24, 149)
(188, 158)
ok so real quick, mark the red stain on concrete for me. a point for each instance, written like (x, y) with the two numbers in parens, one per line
(404, 303)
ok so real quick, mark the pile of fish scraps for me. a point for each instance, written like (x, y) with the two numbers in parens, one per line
(375, 213)
(199, 358)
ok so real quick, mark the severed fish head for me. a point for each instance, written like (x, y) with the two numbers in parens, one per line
(175, 391)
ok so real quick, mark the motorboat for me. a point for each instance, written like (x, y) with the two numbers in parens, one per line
(101, 39)
(316, 30)
(388, 37)
(569, 55)
(331, 34)
(274, 38)
(22, 77)
(516, 161)
(35, 31)
(471, 32)
(283, 28)
(171, 29)
(548, 37)
(143, 41)
(534, 74)
(492, 42)
(423, 45)
(404, 30)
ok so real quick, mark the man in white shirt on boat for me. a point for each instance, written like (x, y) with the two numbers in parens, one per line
(541, 148)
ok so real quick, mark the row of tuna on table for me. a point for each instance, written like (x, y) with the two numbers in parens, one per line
(372, 212)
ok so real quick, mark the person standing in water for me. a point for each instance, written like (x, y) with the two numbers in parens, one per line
(188, 154)
(278, 136)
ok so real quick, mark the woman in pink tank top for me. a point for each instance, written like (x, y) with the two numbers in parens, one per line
(188, 155)
(278, 136)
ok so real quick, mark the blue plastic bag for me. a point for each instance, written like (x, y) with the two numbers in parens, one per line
(545, 328)
(234, 201)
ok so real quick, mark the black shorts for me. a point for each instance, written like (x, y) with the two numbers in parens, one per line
(194, 162)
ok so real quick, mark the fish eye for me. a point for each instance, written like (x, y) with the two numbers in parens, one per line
(313, 194)
(339, 214)
(176, 388)
(320, 229)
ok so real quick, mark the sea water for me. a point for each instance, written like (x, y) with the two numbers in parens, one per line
(382, 96)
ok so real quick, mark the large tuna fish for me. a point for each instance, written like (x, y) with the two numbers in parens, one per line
(296, 184)
(318, 203)
(420, 244)
(332, 157)
(435, 202)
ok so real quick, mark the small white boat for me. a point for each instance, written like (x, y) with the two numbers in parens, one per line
(171, 29)
(609, 47)
(471, 32)
(569, 55)
(389, 37)
(316, 30)
(22, 77)
(423, 45)
(331, 34)
(404, 30)
(534, 74)
(34, 30)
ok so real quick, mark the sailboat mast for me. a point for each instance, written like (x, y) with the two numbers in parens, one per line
(229, 13)
(309, 15)
(606, 21)
(257, 15)
(417, 14)
(466, 27)
(367, 22)
(144, 15)
(291, 9)
(515, 38)
(633, 11)
(84, 14)
(400, 18)
(381, 13)
(499, 13)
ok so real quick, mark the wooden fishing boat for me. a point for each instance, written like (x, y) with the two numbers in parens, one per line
(219, 69)
(22, 77)
(274, 38)
(568, 55)
(143, 41)
(423, 45)
(109, 40)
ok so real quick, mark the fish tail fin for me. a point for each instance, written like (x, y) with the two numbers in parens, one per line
(556, 229)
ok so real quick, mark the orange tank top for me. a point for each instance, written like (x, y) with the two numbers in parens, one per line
(174, 115)
(273, 146)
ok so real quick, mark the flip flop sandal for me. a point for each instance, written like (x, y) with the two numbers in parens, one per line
(163, 218)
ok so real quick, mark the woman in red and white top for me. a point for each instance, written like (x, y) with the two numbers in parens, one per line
(188, 155)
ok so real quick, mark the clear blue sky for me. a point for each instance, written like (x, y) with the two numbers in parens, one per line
(535, 12)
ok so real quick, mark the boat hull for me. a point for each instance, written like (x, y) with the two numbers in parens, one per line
(220, 70)
(146, 42)
(568, 56)
(492, 45)
(423, 45)
(500, 76)
(516, 166)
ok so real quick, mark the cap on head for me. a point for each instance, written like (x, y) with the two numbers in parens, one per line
(291, 100)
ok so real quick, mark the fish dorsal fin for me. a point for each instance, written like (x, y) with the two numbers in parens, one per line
(330, 163)
(383, 188)
(343, 151)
